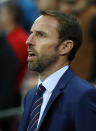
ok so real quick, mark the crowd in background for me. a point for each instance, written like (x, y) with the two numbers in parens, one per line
(16, 19)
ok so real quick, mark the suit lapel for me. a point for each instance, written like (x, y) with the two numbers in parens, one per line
(57, 91)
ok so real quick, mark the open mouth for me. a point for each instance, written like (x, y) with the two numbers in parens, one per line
(31, 56)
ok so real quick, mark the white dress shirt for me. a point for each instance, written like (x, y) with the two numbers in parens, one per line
(50, 83)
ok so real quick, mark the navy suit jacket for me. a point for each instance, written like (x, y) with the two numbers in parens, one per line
(72, 106)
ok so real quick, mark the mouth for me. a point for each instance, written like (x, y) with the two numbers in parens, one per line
(31, 56)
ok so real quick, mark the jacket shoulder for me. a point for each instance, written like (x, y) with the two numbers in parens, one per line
(29, 96)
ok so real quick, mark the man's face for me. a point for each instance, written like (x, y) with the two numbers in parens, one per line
(42, 44)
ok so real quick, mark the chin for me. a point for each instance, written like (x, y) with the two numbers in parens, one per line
(32, 67)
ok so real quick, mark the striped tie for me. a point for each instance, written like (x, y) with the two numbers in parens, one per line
(35, 111)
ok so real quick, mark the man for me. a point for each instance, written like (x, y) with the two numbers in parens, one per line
(69, 103)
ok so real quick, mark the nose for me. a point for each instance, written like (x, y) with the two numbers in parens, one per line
(30, 40)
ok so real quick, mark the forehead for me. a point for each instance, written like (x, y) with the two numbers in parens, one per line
(45, 22)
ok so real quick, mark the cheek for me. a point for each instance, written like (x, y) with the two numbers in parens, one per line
(47, 51)
(46, 43)
(46, 46)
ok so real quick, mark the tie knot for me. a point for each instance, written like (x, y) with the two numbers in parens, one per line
(41, 88)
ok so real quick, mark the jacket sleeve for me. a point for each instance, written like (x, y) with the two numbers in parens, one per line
(85, 115)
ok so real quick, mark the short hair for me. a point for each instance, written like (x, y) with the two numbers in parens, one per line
(69, 29)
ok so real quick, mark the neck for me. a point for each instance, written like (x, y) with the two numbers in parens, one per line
(50, 70)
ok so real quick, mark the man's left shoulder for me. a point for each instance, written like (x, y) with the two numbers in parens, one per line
(81, 84)
(78, 87)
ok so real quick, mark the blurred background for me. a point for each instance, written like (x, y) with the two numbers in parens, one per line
(16, 19)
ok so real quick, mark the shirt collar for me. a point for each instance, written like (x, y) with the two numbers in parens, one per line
(51, 81)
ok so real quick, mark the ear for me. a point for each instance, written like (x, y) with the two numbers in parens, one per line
(66, 47)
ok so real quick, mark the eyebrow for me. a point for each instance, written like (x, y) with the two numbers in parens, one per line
(39, 32)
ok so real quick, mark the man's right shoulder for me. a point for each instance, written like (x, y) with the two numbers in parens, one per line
(29, 96)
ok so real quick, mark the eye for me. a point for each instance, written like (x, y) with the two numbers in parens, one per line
(41, 34)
